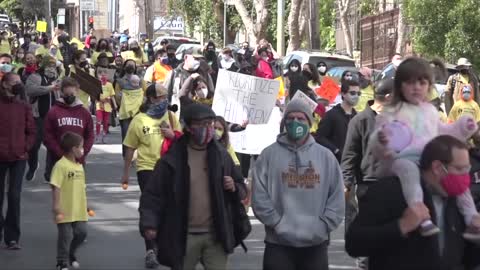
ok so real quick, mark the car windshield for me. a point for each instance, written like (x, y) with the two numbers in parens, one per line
(331, 61)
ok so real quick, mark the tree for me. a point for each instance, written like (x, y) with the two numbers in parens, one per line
(326, 16)
(294, 25)
(255, 24)
(344, 9)
(401, 30)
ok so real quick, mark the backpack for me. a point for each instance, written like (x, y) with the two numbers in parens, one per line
(241, 223)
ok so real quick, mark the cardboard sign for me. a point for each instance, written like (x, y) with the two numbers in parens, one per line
(239, 97)
(41, 26)
(308, 101)
(255, 138)
(88, 83)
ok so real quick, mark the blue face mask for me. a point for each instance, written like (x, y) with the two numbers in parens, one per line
(157, 110)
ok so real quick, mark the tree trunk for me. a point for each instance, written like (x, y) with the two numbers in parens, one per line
(343, 6)
(256, 29)
(148, 18)
(303, 21)
(401, 31)
(293, 26)
(315, 33)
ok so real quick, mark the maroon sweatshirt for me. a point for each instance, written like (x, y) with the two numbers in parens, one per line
(17, 129)
(62, 118)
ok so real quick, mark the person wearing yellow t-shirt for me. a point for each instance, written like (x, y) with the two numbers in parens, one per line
(102, 47)
(4, 44)
(147, 132)
(465, 105)
(69, 200)
(365, 80)
(80, 62)
(104, 106)
(135, 53)
(159, 70)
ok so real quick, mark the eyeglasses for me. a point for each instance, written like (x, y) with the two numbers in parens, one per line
(458, 169)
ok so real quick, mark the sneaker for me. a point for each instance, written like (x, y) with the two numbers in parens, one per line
(32, 173)
(104, 141)
(428, 229)
(73, 262)
(13, 245)
(151, 260)
(61, 266)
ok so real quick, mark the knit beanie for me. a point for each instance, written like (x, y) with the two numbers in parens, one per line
(298, 105)
(197, 111)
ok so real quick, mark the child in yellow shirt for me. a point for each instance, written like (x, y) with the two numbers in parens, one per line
(69, 200)
(104, 106)
(465, 105)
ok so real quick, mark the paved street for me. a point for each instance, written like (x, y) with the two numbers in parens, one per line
(113, 240)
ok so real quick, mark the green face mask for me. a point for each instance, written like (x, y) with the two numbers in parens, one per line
(296, 130)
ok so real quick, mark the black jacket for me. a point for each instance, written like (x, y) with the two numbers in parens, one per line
(375, 233)
(165, 200)
(332, 130)
(357, 163)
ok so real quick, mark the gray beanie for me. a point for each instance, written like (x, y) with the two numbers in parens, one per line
(297, 105)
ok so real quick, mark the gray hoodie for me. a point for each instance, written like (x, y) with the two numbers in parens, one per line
(298, 193)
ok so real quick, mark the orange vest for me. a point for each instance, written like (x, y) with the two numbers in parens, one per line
(160, 72)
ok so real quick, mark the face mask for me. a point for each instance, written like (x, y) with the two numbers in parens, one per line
(171, 55)
(164, 60)
(93, 45)
(17, 89)
(218, 134)
(364, 83)
(69, 99)
(307, 74)
(202, 135)
(50, 73)
(296, 130)
(322, 69)
(352, 100)
(466, 96)
(134, 48)
(455, 184)
(6, 68)
(20, 56)
(203, 92)
(397, 63)
(348, 77)
(157, 110)
(195, 64)
(103, 46)
(83, 64)
(103, 79)
(265, 58)
(293, 68)
(129, 69)
(464, 71)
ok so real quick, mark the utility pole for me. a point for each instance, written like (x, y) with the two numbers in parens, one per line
(49, 18)
(148, 19)
(280, 27)
(314, 34)
(225, 24)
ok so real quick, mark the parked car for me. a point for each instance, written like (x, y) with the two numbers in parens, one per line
(337, 72)
(174, 41)
(312, 57)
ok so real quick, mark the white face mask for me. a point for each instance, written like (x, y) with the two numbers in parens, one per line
(294, 69)
(202, 93)
(265, 58)
(322, 69)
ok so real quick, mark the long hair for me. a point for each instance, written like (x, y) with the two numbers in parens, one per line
(98, 45)
(314, 71)
(6, 77)
(411, 69)
(122, 73)
(225, 139)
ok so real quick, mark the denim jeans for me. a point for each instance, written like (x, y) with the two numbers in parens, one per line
(10, 225)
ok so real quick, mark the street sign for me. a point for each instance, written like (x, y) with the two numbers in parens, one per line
(87, 5)
(61, 12)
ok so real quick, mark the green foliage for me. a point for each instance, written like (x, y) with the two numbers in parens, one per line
(326, 16)
(445, 28)
(368, 7)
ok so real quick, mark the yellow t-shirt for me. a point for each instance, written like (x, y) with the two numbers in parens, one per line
(95, 54)
(365, 97)
(5, 47)
(462, 107)
(316, 122)
(232, 153)
(126, 55)
(107, 91)
(130, 103)
(69, 177)
(144, 135)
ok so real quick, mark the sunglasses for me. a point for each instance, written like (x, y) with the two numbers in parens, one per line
(355, 93)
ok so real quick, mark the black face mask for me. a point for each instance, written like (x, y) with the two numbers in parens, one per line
(364, 83)
(18, 89)
(103, 46)
(93, 45)
(464, 71)
(171, 55)
(69, 99)
(83, 64)
(307, 74)
(129, 69)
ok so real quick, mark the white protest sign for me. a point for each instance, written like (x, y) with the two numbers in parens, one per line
(239, 97)
(308, 101)
(255, 138)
